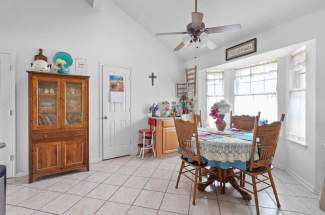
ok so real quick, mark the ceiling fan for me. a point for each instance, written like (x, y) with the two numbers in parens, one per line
(197, 34)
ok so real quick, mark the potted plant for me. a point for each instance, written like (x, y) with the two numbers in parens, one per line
(218, 112)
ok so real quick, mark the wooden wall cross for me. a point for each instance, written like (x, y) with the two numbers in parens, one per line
(152, 77)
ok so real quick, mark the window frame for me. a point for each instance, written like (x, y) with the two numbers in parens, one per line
(251, 81)
(293, 74)
(207, 96)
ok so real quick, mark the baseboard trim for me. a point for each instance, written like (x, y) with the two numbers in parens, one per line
(95, 160)
(300, 179)
(21, 174)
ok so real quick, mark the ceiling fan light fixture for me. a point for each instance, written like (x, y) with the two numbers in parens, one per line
(197, 35)
(210, 44)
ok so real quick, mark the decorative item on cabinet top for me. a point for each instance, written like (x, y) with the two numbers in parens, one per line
(40, 62)
(63, 61)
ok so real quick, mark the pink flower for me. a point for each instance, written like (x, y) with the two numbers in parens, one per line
(214, 113)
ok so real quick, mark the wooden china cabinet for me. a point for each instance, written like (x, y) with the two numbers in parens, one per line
(58, 123)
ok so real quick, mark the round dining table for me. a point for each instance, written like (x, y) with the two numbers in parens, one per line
(224, 152)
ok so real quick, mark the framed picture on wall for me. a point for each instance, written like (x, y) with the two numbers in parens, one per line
(116, 87)
(81, 66)
(241, 49)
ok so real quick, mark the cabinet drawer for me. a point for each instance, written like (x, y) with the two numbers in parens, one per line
(168, 123)
(49, 136)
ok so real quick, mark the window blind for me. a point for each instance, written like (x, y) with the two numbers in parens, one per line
(256, 90)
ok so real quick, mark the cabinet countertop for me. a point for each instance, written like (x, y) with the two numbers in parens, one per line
(164, 118)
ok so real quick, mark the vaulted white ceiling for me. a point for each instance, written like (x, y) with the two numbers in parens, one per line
(254, 15)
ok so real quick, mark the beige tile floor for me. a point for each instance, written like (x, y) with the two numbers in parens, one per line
(132, 186)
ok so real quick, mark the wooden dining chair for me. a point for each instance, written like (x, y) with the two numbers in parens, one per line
(198, 118)
(243, 122)
(265, 140)
(189, 148)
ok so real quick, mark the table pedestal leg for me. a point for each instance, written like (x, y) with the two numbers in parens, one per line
(224, 176)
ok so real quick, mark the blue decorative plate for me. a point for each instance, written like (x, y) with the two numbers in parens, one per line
(64, 56)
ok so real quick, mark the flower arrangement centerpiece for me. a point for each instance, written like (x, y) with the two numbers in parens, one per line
(218, 112)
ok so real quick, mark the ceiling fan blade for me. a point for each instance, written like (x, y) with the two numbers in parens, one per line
(186, 41)
(223, 29)
(197, 19)
(179, 46)
(207, 42)
(171, 33)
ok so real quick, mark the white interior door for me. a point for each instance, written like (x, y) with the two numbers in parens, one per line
(116, 115)
(7, 120)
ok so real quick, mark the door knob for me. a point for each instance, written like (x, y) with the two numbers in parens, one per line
(2, 145)
(105, 117)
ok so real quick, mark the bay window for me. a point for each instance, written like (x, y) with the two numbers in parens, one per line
(215, 91)
(255, 89)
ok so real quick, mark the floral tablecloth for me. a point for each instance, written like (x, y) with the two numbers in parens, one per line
(230, 149)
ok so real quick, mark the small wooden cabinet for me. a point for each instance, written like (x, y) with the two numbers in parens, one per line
(166, 138)
(58, 123)
(169, 140)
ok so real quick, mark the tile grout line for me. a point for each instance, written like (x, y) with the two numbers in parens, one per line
(123, 185)
(119, 186)
(82, 197)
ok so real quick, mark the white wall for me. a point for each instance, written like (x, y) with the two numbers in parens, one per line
(307, 163)
(107, 35)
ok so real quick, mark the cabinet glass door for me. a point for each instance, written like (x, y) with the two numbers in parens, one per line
(47, 103)
(73, 104)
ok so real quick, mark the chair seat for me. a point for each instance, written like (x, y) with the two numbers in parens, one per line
(192, 162)
(259, 170)
(146, 131)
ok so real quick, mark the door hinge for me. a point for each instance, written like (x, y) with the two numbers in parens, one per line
(12, 158)
(11, 112)
(11, 68)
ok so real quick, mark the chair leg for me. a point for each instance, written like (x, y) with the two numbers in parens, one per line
(143, 152)
(255, 195)
(153, 148)
(143, 145)
(243, 180)
(240, 178)
(274, 189)
(200, 175)
(180, 173)
(195, 185)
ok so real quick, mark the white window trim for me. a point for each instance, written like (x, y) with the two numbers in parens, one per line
(213, 96)
(290, 137)
(250, 67)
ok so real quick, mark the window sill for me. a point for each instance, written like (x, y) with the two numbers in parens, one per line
(300, 143)
(297, 90)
